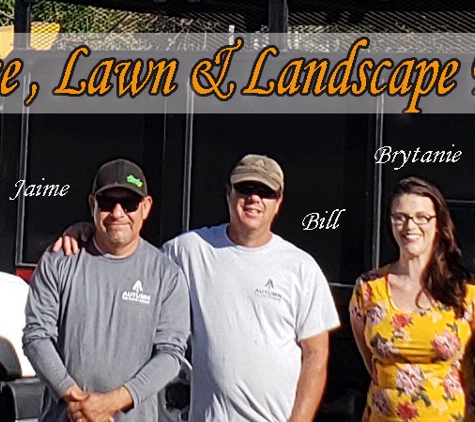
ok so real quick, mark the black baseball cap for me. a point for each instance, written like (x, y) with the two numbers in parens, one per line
(120, 173)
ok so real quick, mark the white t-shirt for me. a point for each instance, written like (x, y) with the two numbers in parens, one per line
(250, 308)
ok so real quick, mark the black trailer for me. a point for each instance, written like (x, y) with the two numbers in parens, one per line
(329, 160)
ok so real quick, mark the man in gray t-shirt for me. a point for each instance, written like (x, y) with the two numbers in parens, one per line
(106, 329)
(261, 308)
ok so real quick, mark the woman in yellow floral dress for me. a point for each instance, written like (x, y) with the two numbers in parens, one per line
(413, 319)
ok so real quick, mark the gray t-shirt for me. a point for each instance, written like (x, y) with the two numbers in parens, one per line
(103, 322)
(251, 307)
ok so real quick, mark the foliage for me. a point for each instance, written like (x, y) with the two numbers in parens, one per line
(76, 18)
(6, 12)
(71, 17)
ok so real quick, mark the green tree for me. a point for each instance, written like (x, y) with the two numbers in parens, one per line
(6, 12)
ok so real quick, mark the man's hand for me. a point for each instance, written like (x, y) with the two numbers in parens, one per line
(73, 396)
(69, 240)
(74, 393)
(99, 407)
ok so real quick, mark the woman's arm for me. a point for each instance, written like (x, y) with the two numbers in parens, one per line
(358, 326)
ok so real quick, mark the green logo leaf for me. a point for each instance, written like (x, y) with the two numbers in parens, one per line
(134, 181)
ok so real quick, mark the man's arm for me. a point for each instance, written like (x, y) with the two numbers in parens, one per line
(41, 330)
(69, 240)
(171, 334)
(316, 316)
(312, 379)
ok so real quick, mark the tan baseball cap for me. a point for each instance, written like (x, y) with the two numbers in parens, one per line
(259, 168)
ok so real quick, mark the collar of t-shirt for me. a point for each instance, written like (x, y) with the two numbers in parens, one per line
(106, 254)
(245, 249)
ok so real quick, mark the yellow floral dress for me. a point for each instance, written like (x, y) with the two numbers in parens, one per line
(421, 360)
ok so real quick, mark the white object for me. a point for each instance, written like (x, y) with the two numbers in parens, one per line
(13, 294)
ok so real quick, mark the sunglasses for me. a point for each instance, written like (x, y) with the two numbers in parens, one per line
(262, 191)
(128, 203)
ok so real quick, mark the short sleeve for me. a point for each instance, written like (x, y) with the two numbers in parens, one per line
(317, 311)
(359, 299)
(170, 250)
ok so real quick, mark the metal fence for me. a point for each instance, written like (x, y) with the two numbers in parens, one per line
(260, 17)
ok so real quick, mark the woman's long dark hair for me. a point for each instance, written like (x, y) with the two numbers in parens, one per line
(445, 276)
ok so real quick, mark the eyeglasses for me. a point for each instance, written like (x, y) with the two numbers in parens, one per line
(400, 219)
(128, 203)
(248, 189)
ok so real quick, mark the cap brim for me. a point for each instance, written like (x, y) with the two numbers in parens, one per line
(238, 178)
(129, 187)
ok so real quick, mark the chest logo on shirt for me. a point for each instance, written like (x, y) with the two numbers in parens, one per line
(136, 295)
(268, 290)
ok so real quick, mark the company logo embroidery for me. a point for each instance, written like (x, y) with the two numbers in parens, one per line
(268, 291)
(136, 294)
(134, 180)
(269, 284)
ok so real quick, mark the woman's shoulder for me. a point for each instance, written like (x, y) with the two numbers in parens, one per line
(370, 288)
(372, 284)
(376, 275)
